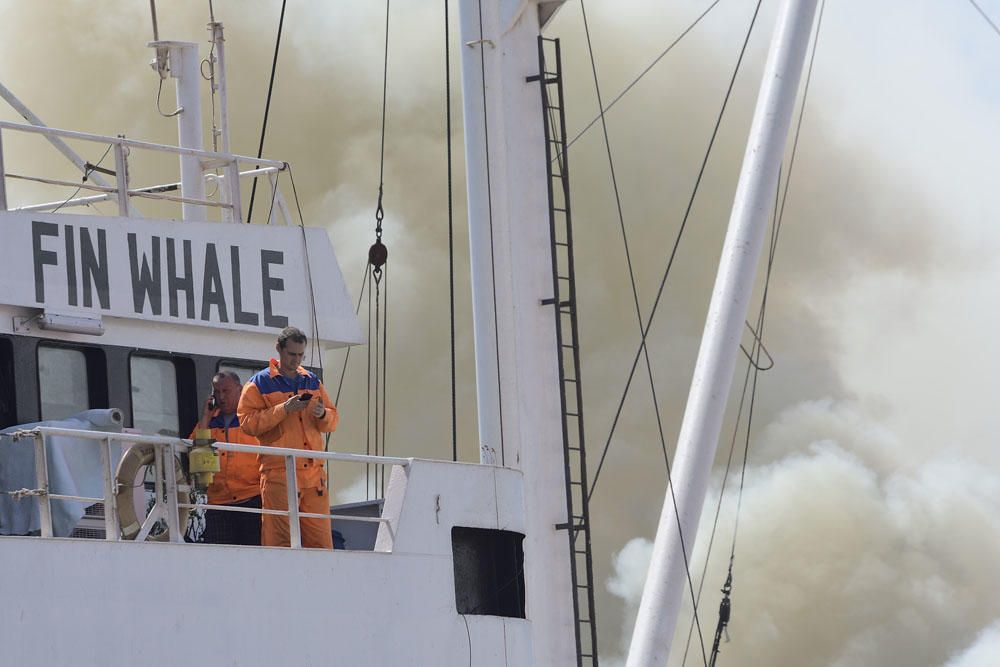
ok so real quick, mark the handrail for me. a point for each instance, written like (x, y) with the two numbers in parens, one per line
(134, 143)
(166, 503)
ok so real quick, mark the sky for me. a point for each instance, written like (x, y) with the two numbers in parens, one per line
(869, 518)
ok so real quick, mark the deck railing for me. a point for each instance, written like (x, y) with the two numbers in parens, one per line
(228, 164)
(167, 484)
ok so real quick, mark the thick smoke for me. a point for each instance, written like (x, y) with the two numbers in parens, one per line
(868, 523)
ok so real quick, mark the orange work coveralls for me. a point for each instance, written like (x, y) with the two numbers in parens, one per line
(262, 414)
(238, 478)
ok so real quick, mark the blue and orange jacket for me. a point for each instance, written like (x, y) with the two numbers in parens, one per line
(238, 478)
(262, 414)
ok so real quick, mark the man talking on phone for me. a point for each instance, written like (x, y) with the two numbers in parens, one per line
(238, 481)
(286, 405)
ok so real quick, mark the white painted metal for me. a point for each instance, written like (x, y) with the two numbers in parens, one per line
(121, 180)
(185, 67)
(219, 40)
(54, 139)
(3, 178)
(713, 374)
(253, 606)
(111, 526)
(42, 475)
(286, 288)
(135, 144)
(294, 530)
(516, 364)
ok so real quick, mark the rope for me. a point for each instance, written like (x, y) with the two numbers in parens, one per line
(451, 234)
(347, 355)
(267, 107)
(644, 72)
(20, 494)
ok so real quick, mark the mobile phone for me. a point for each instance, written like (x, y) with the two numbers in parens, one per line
(305, 397)
(212, 403)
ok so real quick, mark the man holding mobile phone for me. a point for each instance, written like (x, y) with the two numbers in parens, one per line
(286, 405)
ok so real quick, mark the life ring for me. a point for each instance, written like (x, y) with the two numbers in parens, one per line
(135, 458)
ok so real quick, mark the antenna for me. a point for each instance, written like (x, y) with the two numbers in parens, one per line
(159, 65)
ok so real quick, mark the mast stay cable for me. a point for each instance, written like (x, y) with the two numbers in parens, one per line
(267, 108)
(676, 246)
(451, 234)
(643, 73)
(635, 291)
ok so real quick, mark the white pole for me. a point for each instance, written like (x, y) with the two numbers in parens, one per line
(185, 66)
(713, 373)
(517, 369)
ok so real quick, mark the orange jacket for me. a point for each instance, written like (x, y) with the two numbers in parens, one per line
(239, 476)
(262, 414)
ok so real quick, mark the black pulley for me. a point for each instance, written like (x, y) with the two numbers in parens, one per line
(377, 255)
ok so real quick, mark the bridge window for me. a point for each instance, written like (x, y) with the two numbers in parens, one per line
(63, 382)
(245, 371)
(8, 408)
(154, 395)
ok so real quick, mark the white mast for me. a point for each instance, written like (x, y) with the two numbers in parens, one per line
(516, 364)
(713, 373)
(185, 66)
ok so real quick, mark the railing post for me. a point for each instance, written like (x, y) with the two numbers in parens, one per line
(111, 530)
(3, 178)
(170, 473)
(233, 188)
(294, 530)
(42, 479)
(121, 178)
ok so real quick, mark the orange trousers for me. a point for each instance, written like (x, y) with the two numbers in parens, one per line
(313, 499)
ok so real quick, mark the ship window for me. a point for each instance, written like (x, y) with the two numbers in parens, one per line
(155, 409)
(63, 384)
(8, 408)
(245, 371)
(489, 571)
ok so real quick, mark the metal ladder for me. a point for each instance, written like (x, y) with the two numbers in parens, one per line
(568, 341)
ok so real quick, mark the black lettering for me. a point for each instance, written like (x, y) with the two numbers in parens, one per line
(177, 283)
(42, 257)
(70, 263)
(239, 315)
(269, 284)
(211, 291)
(94, 267)
(146, 283)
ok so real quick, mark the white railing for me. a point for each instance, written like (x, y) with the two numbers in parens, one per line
(166, 505)
(228, 163)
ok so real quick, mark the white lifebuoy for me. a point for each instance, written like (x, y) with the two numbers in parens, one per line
(139, 456)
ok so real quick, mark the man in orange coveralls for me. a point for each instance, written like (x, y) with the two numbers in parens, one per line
(238, 481)
(285, 405)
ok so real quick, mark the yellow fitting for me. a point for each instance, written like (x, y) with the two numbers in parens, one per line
(203, 460)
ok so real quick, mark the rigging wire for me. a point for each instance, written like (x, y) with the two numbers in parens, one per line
(451, 233)
(635, 299)
(377, 256)
(985, 16)
(489, 201)
(267, 108)
(643, 73)
(673, 252)
(87, 171)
